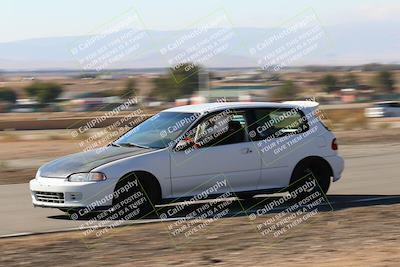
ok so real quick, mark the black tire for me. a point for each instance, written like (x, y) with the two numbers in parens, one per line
(246, 198)
(64, 210)
(136, 202)
(311, 169)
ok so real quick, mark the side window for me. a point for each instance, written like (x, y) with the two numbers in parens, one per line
(223, 128)
(395, 105)
(272, 123)
(382, 105)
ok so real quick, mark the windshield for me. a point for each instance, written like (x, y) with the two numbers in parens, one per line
(158, 131)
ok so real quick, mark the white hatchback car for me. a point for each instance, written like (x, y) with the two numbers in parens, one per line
(383, 109)
(198, 150)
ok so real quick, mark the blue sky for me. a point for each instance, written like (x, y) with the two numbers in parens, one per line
(25, 19)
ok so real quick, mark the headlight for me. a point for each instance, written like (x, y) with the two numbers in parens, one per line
(87, 177)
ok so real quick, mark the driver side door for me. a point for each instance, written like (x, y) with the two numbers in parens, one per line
(219, 153)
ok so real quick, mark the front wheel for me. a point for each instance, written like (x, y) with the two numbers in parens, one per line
(133, 198)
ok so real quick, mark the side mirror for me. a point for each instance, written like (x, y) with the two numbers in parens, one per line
(183, 144)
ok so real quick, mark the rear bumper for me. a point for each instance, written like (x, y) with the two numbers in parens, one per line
(337, 165)
(58, 193)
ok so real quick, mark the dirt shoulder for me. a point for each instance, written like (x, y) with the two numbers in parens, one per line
(366, 236)
(20, 159)
(368, 136)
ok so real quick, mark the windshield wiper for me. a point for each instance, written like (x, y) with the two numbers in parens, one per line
(131, 145)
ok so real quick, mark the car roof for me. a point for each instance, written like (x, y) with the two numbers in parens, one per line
(386, 102)
(207, 107)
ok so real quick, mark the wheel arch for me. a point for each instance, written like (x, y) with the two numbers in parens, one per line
(144, 177)
(312, 158)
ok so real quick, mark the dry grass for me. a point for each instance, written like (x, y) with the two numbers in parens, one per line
(8, 136)
(346, 119)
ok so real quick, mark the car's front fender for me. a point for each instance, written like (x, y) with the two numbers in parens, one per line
(156, 162)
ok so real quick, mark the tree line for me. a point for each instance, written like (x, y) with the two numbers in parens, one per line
(383, 83)
(184, 80)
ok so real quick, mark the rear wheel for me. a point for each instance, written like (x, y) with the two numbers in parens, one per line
(310, 170)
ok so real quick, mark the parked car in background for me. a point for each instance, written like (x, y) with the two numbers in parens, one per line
(383, 109)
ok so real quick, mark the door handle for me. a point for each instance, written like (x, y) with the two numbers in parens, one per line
(246, 150)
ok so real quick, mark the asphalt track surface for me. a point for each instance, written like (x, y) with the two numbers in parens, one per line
(371, 177)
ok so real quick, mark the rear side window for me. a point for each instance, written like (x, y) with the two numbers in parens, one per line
(383, 105)
(387, 105)
(273, 123)
(394, 105)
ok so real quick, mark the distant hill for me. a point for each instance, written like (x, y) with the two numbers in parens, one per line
(342, 45)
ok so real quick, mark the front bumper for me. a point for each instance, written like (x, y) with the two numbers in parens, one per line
(59, 193)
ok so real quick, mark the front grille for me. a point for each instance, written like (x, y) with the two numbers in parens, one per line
(50, 197)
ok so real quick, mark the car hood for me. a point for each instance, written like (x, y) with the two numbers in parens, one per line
(87, 161)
